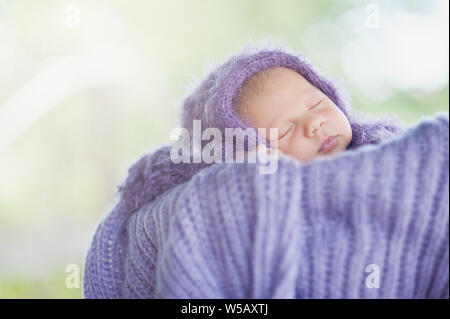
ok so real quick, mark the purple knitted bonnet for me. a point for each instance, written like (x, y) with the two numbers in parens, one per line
(213, 102)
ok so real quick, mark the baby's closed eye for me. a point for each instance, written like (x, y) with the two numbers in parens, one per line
(317, 102)
(288, 131)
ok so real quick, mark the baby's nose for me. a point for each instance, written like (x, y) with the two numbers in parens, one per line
(314, 127)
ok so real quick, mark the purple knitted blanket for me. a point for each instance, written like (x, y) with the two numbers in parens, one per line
(369, 223)
(308, 231)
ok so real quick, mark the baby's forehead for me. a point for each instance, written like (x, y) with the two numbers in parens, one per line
(274, 83)
(262, 80)
(265, 81)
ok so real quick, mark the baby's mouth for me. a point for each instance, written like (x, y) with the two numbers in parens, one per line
(329, 144)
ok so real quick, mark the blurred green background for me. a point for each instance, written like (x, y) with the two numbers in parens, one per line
(87, 87)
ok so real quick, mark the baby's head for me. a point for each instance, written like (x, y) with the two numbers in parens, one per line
(273, 87)
(279, 97)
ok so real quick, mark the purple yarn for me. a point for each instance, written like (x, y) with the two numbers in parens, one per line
(212, 102)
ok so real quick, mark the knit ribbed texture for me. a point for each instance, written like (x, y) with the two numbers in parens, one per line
(308, 231)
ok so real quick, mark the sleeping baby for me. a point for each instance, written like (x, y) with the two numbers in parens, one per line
(308, 121)
(263, 86)
(277, 90)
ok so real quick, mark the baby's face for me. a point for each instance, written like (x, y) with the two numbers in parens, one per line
(304, 116)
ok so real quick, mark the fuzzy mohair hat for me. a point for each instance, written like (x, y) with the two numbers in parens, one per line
(212, 101)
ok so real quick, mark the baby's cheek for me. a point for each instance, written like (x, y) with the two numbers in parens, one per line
(297, 149)
(282, 145)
